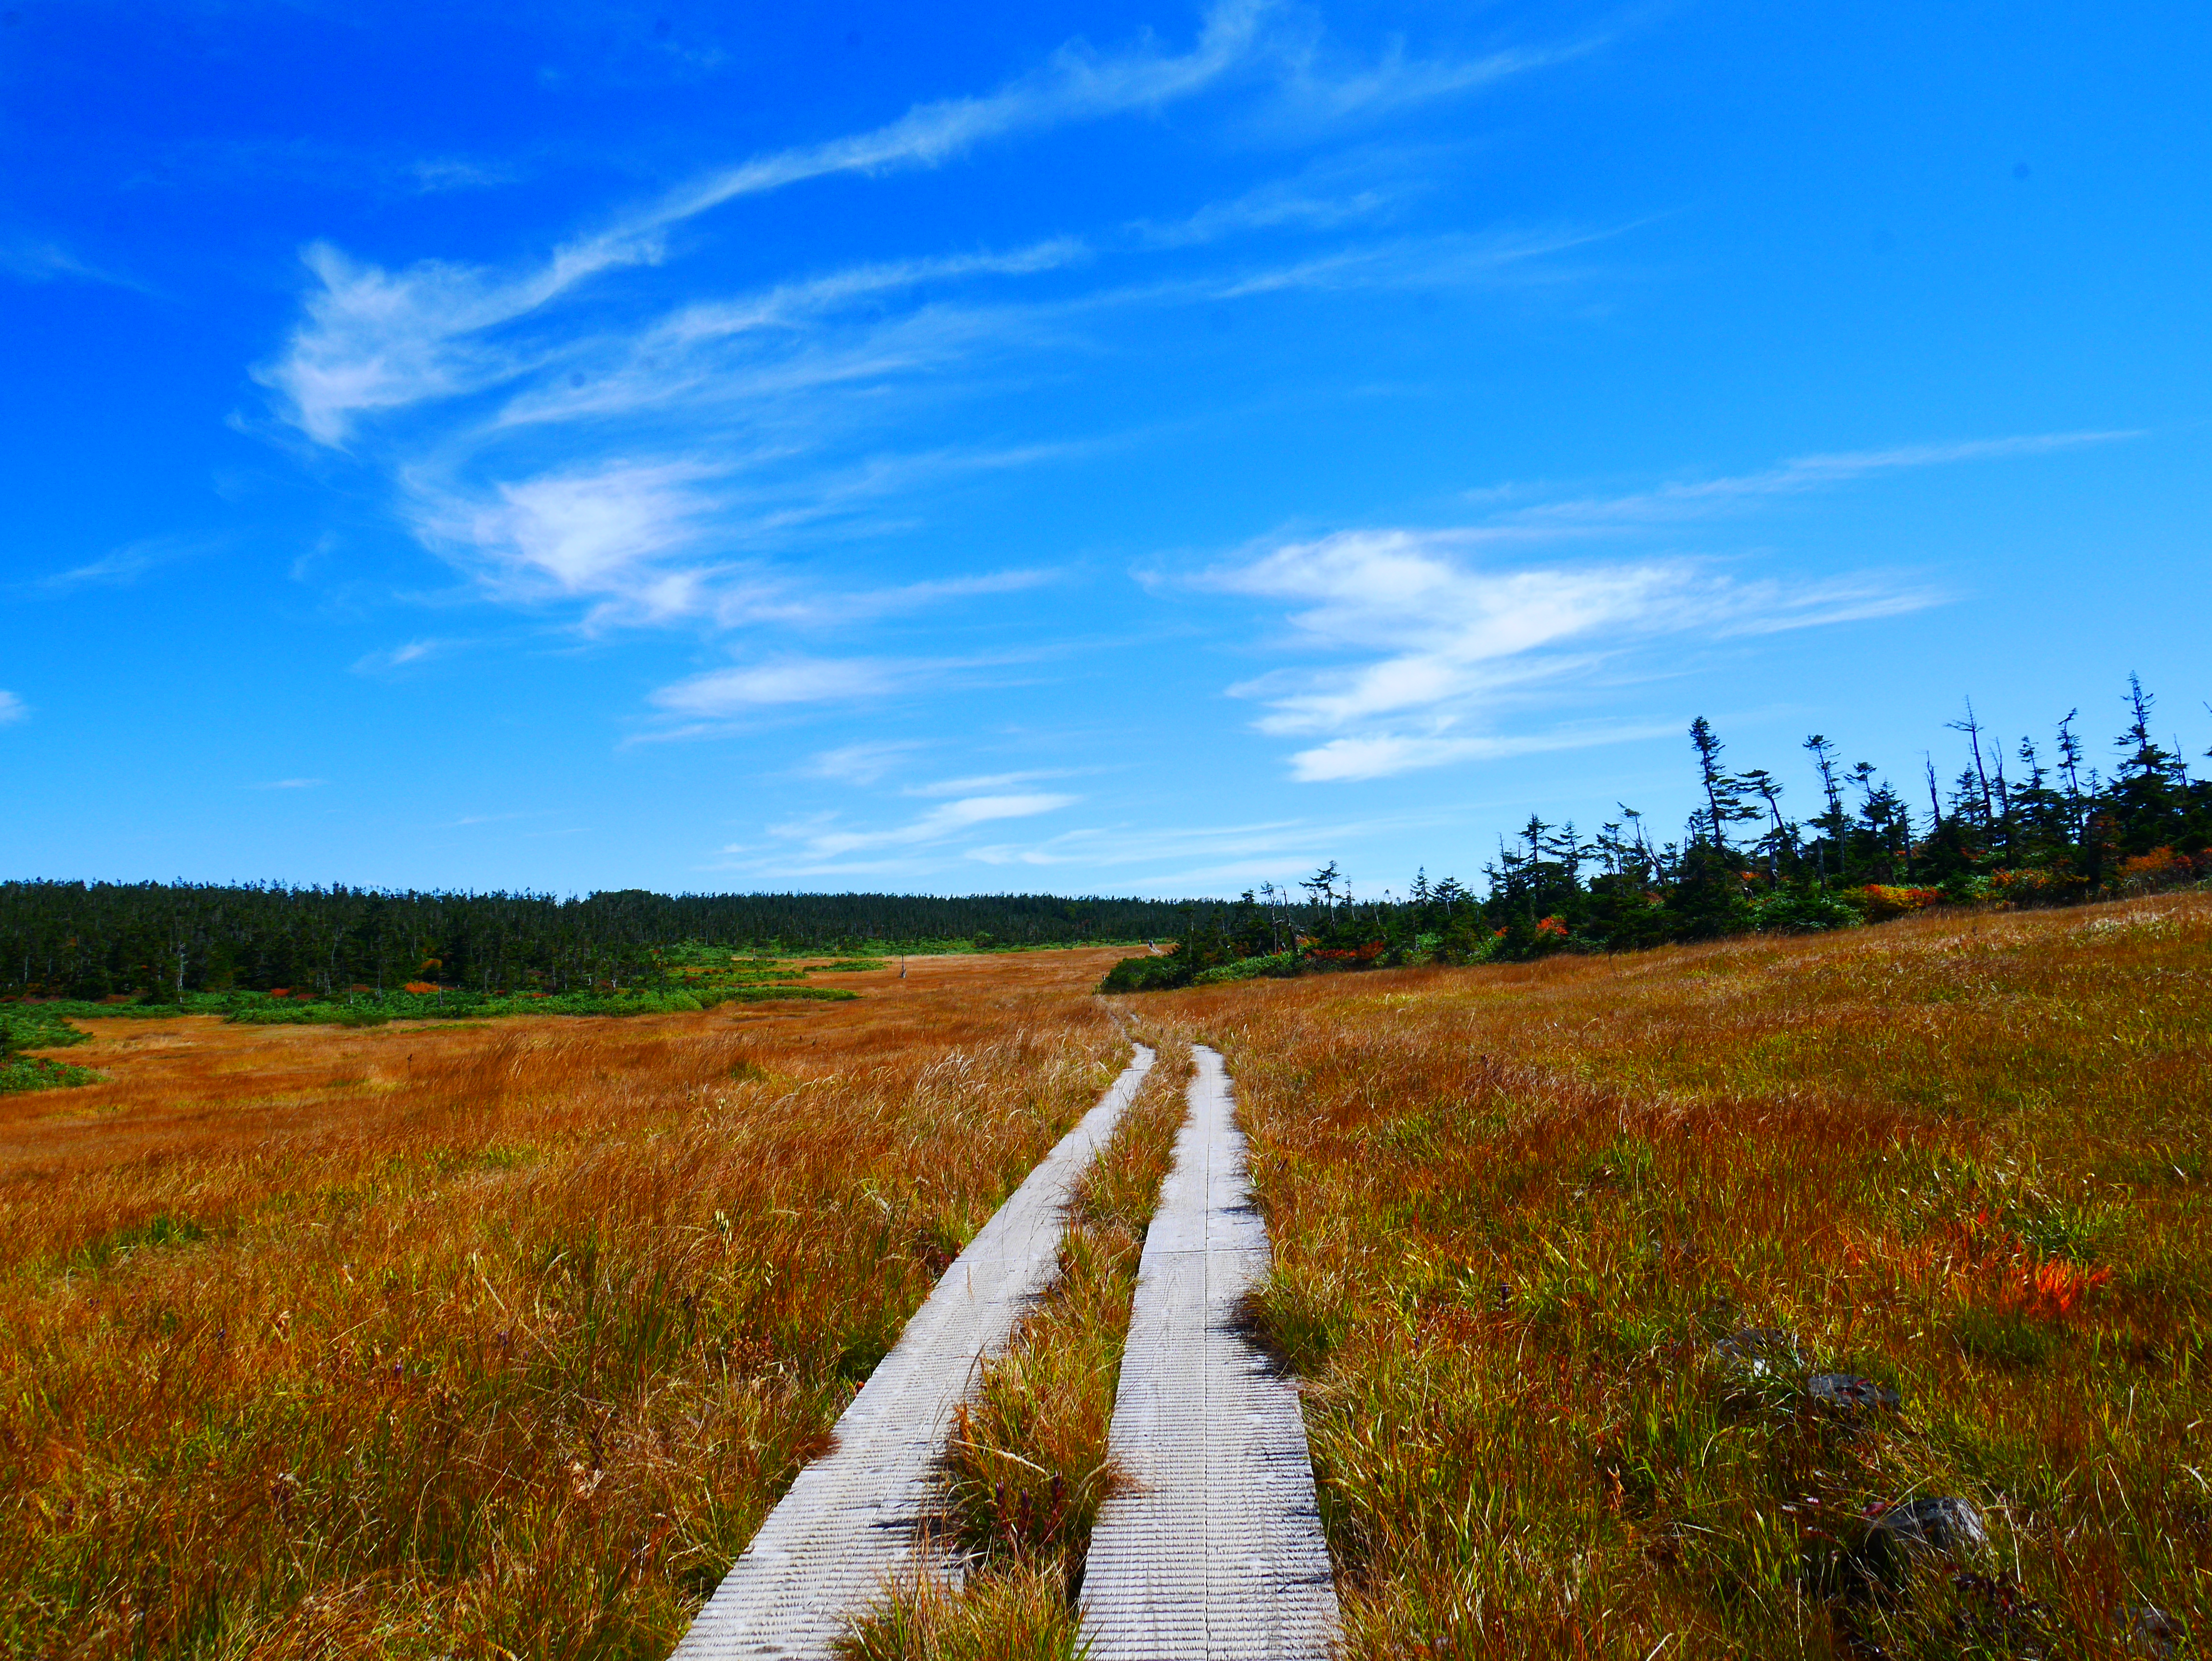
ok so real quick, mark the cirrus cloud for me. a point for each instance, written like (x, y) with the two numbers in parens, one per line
(1436, 631)
(821, 839)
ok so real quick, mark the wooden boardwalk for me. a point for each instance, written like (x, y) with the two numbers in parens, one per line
(850, 1521)
(1217, 1550)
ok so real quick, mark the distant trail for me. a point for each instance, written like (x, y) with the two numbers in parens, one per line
(849, 1523)
(1217, 1550)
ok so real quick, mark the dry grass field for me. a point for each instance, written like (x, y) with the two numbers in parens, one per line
(482, 1340)
(1516, 1211)
(499, 1339)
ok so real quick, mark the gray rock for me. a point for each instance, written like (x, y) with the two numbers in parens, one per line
(1759, 1350)
(1942, 1523)
(1849, 1392)
(2149, 1630)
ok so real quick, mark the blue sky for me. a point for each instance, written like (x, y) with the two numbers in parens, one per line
(1062, 447)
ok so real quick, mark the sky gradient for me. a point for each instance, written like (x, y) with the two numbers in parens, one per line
(1066, 448)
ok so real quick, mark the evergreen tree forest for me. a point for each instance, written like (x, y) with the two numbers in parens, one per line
(162, 941)
(2040, 824)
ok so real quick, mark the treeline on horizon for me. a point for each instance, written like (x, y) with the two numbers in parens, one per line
(2038, 827)
(165, 941)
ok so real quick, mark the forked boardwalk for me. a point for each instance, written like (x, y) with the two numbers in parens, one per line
(1216, 1550)
(850, 1522)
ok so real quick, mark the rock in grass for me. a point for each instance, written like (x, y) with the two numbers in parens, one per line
(1943, 1523)
(2149, 1630)
(1849, 1393)
(1759, 1350)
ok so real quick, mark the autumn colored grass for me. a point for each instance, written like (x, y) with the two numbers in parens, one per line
(1517, 1212)
(1026, 1466)
(480, 1341)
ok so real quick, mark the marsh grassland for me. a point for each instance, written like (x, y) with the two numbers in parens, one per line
(1519, 1214)
(1641, 1304)
(483, 1341)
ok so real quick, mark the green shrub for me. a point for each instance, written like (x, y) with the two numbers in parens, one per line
(1147, 975)
(162, 1230)
(36, 1026)
(1797, 911)
(1278, 964)
(37, 1073)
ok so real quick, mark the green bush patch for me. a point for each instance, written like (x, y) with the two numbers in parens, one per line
(37, 1073)
(154, 1233)
(2002, 1338)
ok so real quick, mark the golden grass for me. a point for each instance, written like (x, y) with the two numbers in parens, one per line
(480, 1339)
(1026, 1466)
(501, 1339)
(1514, 1209)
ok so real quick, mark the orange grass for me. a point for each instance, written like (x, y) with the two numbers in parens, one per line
(1514, 1209)
(488, 1340)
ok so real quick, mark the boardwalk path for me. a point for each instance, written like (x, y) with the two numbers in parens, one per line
(1217, 1550)
(849, 1522)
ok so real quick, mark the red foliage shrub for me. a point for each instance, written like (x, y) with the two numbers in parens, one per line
(1877, 902)
(1357, 956)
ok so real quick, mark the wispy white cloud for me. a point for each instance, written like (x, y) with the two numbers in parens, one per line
(1435, 632)
(1322, 87)
(791, 337)
(1172, 858)
(821, 840)
(290, 784)
(39, 259)
(592, 531)
(707, 701)
(719, 694)
(1456, 635)
(1147, 854)
(864, 763)
(1433, 262)
(1328, 196)
(1076, 84)
(408, 651)
(1446, 619)
(1380, 755)
(1700, 498)
(13, 709)
(573, 437)
(653, 541)
(988, 782)
(126, 564)
(435, 175)
(650, 538)
(908, 596)
(300, 158)
(372, 340)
